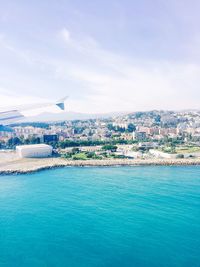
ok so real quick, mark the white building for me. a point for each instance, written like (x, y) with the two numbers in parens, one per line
(34, 151)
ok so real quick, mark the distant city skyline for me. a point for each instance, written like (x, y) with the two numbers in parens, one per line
(106, 55)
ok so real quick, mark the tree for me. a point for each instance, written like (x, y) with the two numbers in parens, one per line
(112, 148)
(180, 156)
(131, 128)
(12, 142)
(157, 119)
(75, 150)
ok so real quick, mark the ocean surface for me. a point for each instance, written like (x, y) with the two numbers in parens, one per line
(115, 216)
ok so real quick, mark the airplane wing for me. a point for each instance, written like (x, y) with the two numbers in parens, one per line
(8, 117)
(11, 116)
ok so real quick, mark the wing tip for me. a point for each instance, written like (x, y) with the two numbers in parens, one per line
(61, 103)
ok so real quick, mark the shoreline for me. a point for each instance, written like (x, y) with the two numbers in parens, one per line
(23, 166)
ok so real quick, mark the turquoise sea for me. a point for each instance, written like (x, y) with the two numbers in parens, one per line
(116, 216)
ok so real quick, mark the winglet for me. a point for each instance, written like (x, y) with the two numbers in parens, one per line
(61, 103)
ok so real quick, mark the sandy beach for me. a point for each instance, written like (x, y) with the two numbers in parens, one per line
(14, 165)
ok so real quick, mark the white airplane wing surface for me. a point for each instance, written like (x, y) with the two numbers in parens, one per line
(8, 117)
(11, 116)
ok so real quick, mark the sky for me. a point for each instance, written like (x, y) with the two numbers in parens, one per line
(106, 56)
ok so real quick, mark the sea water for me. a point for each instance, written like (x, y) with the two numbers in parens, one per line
(115, 216)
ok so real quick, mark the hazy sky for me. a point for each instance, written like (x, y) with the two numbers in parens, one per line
(106, 55)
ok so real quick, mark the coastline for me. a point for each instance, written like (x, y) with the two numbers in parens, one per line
(22, 166)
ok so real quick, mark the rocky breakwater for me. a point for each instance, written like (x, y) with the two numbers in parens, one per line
(32, 165)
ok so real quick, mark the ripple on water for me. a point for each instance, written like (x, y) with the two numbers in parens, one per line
(116, 216)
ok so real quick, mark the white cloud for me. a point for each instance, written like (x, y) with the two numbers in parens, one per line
(112, 82)
(65, 34)
(115, 83)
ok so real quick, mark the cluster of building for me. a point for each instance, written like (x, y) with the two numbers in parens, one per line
(147, 129)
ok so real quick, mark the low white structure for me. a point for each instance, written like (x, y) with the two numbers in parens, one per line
(161, 154)
(34, 151)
